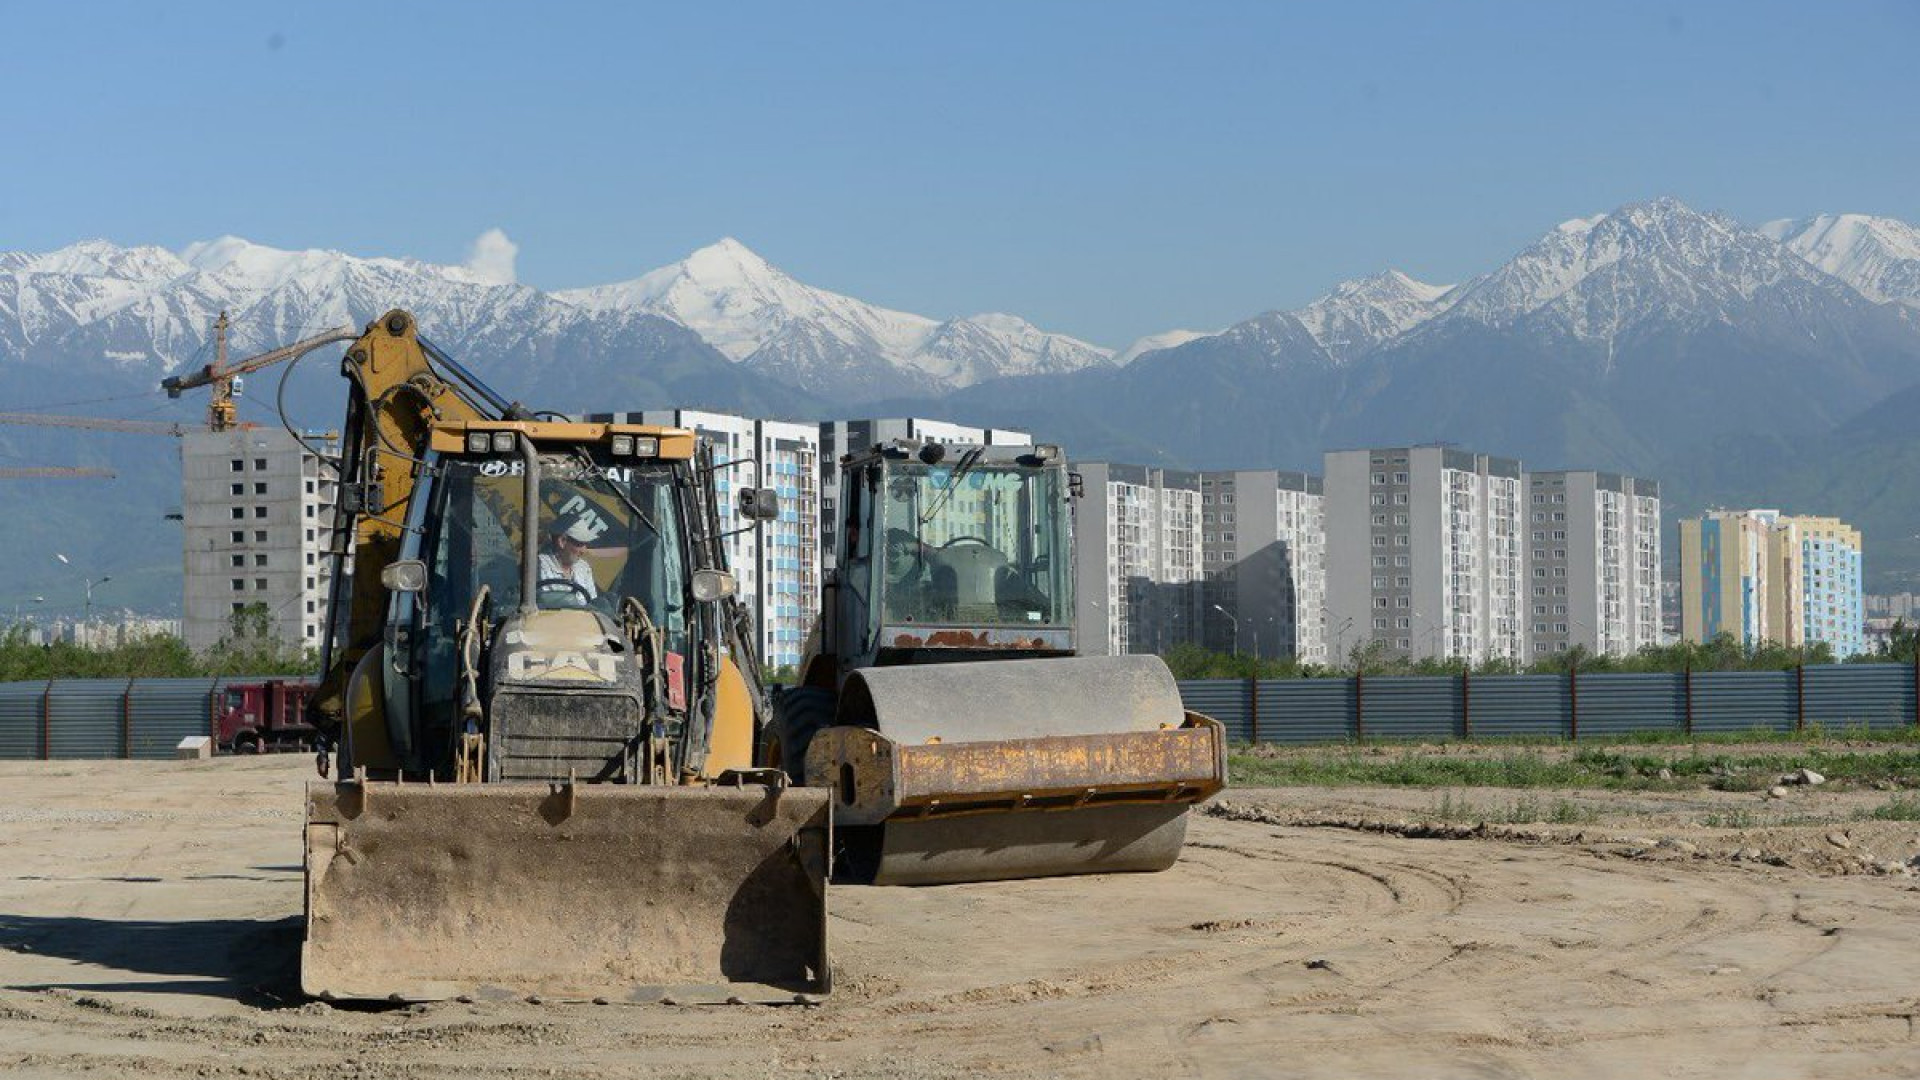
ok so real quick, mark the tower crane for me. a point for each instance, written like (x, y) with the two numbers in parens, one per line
(223, 410)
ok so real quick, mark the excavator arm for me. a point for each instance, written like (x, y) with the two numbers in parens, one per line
(396, 391)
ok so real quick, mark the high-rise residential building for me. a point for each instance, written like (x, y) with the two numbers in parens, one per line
(1723, 576)
(777, 563)
(1819, 559)
(841, 437)
(1594, 562)
(1764, 576)
(256, 509)
(1263, 541)
(1424, 555)
(1137, 559)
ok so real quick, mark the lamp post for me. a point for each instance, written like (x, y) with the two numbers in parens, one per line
(89, 609)
(1236, 627)
(1340, 641)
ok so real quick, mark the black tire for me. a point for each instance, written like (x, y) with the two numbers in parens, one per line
(799, 714)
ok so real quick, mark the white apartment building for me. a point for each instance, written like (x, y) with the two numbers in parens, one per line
(1264, 562)
(1137, 559)
(841, 437)
(1424, 552)
(257, 514)
(1594, 547)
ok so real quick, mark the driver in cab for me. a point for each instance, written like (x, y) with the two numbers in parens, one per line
(563, 567)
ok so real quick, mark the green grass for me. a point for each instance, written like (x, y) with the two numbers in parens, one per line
(1525, 810)
(1898, 808)
(1517, 767)
(1731, 819)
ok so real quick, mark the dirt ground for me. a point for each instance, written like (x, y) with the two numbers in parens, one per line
(150, 925)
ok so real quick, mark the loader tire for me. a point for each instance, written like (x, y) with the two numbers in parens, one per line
(798, 715)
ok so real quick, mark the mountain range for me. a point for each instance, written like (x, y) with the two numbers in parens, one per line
(1770, 364)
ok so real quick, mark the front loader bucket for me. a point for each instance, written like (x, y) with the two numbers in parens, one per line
(565, 892)
(1017, 768)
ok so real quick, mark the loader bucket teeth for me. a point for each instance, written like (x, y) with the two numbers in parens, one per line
(610, 892)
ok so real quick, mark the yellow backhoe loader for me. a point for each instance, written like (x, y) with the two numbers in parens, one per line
(542, 709)
(942, 701)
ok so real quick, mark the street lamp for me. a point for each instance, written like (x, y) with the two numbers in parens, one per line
(90, 584)
(1236, 627)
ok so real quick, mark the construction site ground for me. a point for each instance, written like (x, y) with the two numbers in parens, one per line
(150, 926)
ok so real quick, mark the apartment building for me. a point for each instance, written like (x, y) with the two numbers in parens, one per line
(1764, 576)
(1724, 585)
(1263, 544)
(256, 513)
(841, 437)
(1819, 559)
(1423, 552)
(1137, 559)
(1594, 576)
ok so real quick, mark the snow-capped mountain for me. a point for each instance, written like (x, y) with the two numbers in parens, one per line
(759, 315)
(147, 308)
(1358, 316)
(1878, 256)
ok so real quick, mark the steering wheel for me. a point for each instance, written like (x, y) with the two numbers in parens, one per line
(545, 583)
(967, 540)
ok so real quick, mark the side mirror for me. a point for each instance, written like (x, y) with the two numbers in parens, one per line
(711, 585)
(406, 575)
(759, 504)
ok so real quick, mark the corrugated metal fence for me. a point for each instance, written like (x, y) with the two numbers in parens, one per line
(107, 718)
(1596, 706)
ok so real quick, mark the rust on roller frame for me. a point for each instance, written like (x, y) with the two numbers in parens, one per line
(882, 779)
(1156, 766)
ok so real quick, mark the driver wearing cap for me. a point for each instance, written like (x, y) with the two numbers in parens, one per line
(566, 560)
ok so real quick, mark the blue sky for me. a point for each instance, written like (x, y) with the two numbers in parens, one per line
(1107, 170)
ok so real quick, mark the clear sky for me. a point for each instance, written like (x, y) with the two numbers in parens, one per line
(1104, 169)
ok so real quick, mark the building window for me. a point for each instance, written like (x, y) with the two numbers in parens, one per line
(259, 511)
(239, 512)
(239, 584)
(239, 465)
(239, 537)
(1379, 478)
(239, 489)
(259, 536)
(239, 560)
(260, 488)
(260, 464)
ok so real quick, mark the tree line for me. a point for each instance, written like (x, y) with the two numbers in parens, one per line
(1722, 653)
(248, 648)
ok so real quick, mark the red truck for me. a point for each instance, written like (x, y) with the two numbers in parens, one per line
(259, 717)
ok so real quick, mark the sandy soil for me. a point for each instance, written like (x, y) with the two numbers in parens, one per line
(149, 924)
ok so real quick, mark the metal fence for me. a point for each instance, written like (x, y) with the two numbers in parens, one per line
(1603, 705)
(107, 718)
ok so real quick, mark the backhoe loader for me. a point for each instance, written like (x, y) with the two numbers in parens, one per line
(541, 704)
(942, 700)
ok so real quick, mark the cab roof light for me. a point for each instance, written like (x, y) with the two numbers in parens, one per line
(502, 441)
(622, 445)
(646, 446)
(476, 442)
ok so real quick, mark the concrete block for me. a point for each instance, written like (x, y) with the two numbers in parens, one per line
(194, 746)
